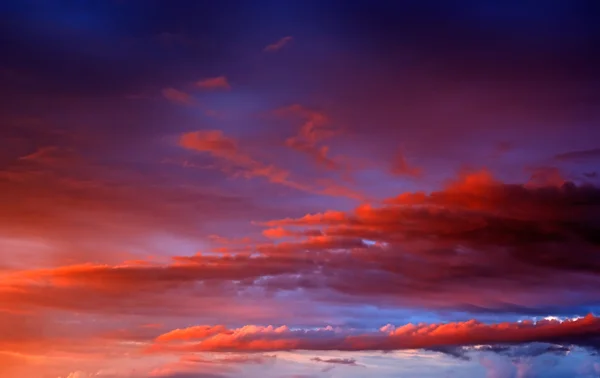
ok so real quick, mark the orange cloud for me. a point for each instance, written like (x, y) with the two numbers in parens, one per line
(140, 289)
(277, 233)
(279, 44)
(198, 332)
(582, 331)
(219, 82)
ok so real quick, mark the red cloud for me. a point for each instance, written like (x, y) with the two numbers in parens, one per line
(476, 235)
(581, 331)
(478, 244)
(277, 233)
(219, 82)
(312, 132)
(234, 159)
(328, 217)
(90, 213)
(279, 44)
(227, 149)
(280, 232)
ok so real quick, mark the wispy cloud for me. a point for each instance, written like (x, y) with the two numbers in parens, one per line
(237, 162)
(219, 82)
(177, 96)
(227, 149)
(279, 44)
(311, 134)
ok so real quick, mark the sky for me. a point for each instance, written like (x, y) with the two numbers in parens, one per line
(299, 189)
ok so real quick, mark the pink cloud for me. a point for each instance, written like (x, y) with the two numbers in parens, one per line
(177, 96)
(279, 44)
(219, 82)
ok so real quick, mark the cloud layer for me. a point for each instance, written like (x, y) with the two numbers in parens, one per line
(175, 179)
(583, 331)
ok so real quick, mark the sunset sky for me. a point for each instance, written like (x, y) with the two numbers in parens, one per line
(299, 189)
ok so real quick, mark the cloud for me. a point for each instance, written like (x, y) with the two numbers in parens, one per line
(76, 207)
(583, 331)
(312, 133)
(194, 366)
(336, 361)
(239, 163)
(231, 359)
(189, 375)
(279, 44)
(497, 368)
(479, 245)
(529, 350)
(51, 155)
(177, 96)
(280, 232)
(114, 281)
(401, 168)
(593, 153)
(198, 332)
(477, 235)
(220, 146)
(78, 374)
(544, 177)
(219, 82)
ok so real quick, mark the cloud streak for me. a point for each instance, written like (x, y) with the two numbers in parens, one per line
(178, 97)
(239, 163)
(212, 83)
(281, 43)
(584, 331)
